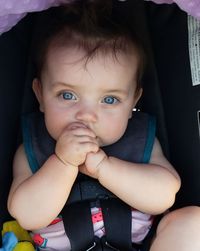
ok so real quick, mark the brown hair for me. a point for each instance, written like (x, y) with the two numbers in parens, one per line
(88, 25)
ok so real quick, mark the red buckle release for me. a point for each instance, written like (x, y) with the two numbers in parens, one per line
(97, 217)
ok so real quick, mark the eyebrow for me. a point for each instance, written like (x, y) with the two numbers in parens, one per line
(108, 91)
(55, 84)
(116, 91)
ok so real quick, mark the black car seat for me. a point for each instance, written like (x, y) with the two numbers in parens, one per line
(14, 51)
(175, 42)
(168, 91)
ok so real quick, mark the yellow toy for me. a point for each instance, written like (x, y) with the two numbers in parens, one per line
(15, 238)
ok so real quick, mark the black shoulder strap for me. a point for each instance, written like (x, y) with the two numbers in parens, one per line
(78, 225)
(38, 144)
(117, 216)
(137, 142)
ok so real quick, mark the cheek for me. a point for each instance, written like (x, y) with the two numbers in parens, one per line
(54, 123)
(113, 130)
(57, 117)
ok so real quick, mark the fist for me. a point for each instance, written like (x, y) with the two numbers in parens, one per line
(94, 162)
(75, 143)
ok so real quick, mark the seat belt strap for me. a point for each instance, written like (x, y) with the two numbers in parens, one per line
(117, 222)
(78, 225)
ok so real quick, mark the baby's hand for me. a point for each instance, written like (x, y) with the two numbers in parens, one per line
(93, 163)
(74, 144)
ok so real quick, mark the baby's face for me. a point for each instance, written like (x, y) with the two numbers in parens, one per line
(98, 94)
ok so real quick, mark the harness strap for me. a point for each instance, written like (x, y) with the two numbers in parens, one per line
(78, 226)
(117, 217)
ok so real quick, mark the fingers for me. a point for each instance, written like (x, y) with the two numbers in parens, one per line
(75, 153)
(85, 139)
(74, 144)
(89, 147)
(81, 132)
(80, 136)
(94, 162)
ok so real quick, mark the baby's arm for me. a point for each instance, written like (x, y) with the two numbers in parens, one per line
(150, 188)
(36, 199)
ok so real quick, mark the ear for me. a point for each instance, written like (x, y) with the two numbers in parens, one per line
(37, 89)
(138, 95)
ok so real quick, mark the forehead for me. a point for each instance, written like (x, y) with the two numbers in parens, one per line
(74, 64)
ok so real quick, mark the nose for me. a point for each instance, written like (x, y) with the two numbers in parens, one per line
(87, 114)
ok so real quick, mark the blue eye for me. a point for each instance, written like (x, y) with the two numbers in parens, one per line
(110, 100)
(68, 96)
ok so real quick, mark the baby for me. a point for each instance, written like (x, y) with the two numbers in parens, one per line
(88, 82)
